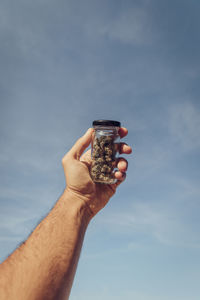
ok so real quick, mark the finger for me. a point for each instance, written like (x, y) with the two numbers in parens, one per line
(86, 156)
(124, 148)
(120, 176)
(122, 164)
(122, 132)
(81, 144)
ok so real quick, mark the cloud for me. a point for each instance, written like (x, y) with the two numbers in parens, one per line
(166, 224)
(22, 207)
(61, 66)
(132, 26)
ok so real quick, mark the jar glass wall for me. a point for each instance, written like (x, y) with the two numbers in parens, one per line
(104, 153)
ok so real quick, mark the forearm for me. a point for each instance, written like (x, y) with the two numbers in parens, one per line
(44, 266)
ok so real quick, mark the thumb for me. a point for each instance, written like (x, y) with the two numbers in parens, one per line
(81, 144)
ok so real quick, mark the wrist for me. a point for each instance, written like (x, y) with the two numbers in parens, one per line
(76, 205)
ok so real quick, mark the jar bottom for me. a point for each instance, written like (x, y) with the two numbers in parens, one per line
(106, 181)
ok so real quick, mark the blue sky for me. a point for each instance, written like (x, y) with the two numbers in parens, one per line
(64, 64)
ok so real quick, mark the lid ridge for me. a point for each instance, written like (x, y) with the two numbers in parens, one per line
(106, 123)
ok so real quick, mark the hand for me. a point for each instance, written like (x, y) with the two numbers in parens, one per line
(78, 181)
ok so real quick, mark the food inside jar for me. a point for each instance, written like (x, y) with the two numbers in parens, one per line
(103, 159)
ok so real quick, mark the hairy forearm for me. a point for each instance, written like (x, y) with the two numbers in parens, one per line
(44, 266)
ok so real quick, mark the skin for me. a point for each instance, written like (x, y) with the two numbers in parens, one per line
(43, 267)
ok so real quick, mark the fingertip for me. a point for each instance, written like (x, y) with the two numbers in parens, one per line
(89, 130)
(120, 175)
(124, 148)
(81, 144)
(129, 150)
(119, 181)
(123, 131)
(122, 165)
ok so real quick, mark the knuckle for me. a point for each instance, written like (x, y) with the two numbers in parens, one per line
(64, 160)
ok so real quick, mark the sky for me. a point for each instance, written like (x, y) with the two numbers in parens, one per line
(66, 63)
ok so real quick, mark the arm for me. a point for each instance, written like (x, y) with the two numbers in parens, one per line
(38, 269)
(44, 266)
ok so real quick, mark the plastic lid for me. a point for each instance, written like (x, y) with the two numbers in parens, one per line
(106, 123)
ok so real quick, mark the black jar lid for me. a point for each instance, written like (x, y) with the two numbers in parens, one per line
(106, 123)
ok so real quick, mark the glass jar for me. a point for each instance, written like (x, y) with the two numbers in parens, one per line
(104, 144)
